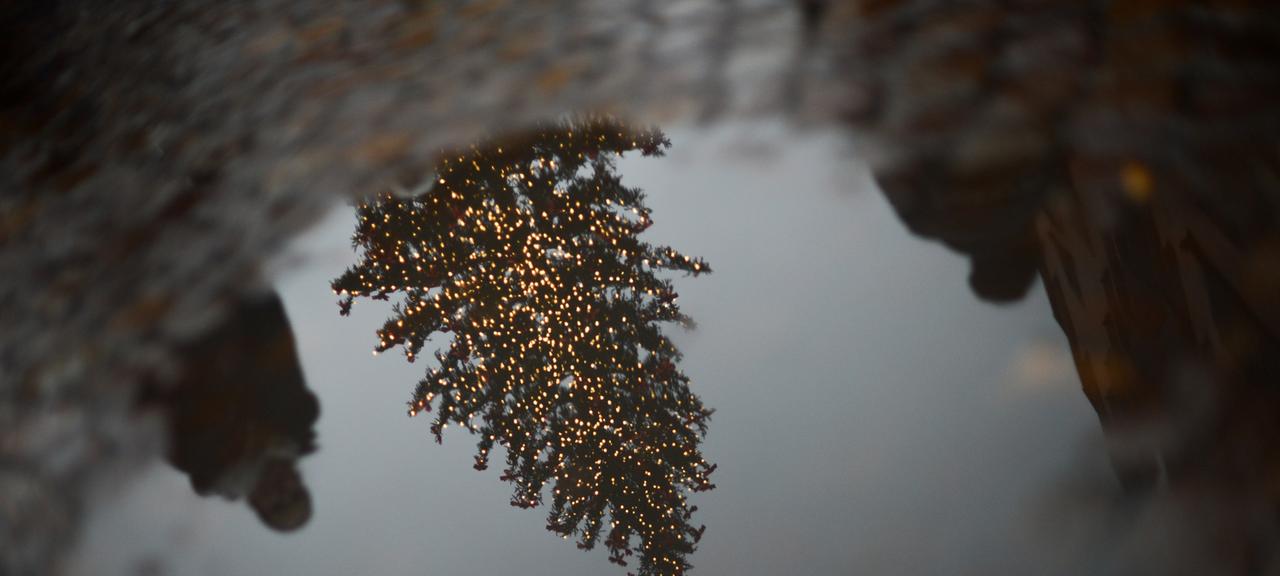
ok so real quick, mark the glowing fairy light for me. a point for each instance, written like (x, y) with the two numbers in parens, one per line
(527, 258)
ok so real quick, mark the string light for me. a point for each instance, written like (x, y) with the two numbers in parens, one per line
(528, 256)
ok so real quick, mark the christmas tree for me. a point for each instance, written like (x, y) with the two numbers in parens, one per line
(526, 255)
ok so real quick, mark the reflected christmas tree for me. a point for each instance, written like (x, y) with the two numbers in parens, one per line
(526, 256)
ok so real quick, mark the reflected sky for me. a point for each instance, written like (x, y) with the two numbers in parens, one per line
(871, 413)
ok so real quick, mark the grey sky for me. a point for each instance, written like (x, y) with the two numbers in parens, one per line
(871, 415)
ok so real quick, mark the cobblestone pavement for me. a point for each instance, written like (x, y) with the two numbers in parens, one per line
(154, 152)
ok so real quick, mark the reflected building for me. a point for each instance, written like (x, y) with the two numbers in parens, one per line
(1127, 153)
(1172, 308)
(524, 255)
(1171, 305)
(240, 415)
(1171, 302)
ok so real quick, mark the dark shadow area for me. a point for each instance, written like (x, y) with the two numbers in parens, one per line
(240, 415)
